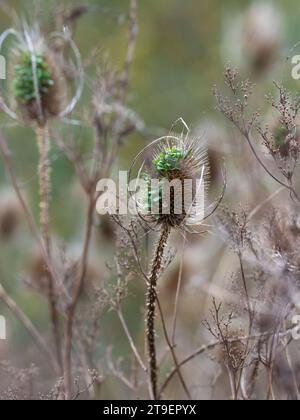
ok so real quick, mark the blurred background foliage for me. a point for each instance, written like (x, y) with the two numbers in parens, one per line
(181, 51)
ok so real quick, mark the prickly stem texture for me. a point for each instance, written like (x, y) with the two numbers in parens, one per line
(151, 307)
(45, 190)
(44, 181)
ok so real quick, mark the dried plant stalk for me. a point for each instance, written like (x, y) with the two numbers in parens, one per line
(44, 181)
(44, 171)
(151, 306)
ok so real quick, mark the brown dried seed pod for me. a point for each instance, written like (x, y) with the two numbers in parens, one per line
(39, 274)
(9, 221)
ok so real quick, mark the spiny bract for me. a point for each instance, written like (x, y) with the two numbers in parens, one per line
(180, 166)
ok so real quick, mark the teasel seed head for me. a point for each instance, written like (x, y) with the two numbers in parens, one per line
(37, 87)
(180, 165)
(46, 101)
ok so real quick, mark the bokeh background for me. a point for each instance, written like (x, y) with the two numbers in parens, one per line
(181, 52)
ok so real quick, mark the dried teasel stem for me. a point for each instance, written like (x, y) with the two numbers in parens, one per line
(42, 135)
(44, 182)
(151, 307)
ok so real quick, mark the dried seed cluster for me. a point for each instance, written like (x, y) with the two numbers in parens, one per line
(177, 164)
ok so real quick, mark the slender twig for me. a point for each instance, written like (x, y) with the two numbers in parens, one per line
(246, 135)
(83, 359)
(178, 289)
(270, 393)
(130, 340)
(27, 323)
(45, 190)
(292, 372)
(74, 300)
(132, 37)
(211, 346)
(171, 341)
(172, 350)
(116, 371)
(261, 204)
(76, 159)
(274, 177)
(89, 183)
(251, 319)
(34, 230)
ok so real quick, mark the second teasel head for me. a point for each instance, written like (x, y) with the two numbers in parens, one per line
(38, 87)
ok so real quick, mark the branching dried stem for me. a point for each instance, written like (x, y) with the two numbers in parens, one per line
(113, 123)
(74, 300)
(252, 329)
(171, 347)
(132, 238)
(35, 232)
(132, 37)
(103, 161)
(171, 341)
(205, 348)
(235, 109)
(26, 322)
(130, 340)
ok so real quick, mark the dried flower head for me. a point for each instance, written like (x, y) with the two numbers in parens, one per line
(39, 274)
(256, 34)
(262, 35)
(175, 180)
(281, 137)
(38, 88)
(9, 220)
(29, 89)
(10, 216)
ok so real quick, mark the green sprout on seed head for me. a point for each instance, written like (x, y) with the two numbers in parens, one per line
(169, 160)
(23, 85)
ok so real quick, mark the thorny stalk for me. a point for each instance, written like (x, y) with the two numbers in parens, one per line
(32, 330)
(44, 170)
(151, 307)
(274, 257)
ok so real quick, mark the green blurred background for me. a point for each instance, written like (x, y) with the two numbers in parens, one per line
(181, 51)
